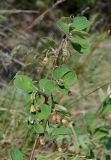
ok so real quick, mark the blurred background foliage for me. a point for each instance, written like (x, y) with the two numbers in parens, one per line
(23, 51)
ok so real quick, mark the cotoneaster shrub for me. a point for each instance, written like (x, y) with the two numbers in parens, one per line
(52, 122)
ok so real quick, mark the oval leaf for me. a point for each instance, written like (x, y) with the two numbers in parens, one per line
(69, 79)
(45, 111)
(80, 23)
(60, 71)
(63, 26)
(47, 86)
(16, 154)
(39, 128)
(23, 82)
(91, 122)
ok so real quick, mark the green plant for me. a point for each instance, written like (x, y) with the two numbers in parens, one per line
(52, 122)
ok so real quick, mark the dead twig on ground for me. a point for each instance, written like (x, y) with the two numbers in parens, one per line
(13, 59)
(88, 94)
(16, 11)
(83, 64)
(41, 16)
(88, 56)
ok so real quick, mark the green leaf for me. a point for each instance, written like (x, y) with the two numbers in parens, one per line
(90, 122)
(62, 89)
(80, 33)
(27, 97)
(69, 79)
(16, 154)
(79, 40)
(77, 158)
(23, 82)
(47, 86)
(63, 26)
(84, 143)
(45, 111)
(37, 97)
(59, 139)
(80, 44)
(85, 50)
(80, 23)
(39, 128)
(61, 131)
(59, 72)
(27, 107)
(77, 130)
(101, 133)
(105, 107)
(77, 47)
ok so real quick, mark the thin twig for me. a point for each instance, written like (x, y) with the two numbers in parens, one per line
(84, 96)
(40, 17)
(61, 46)
(36, 142)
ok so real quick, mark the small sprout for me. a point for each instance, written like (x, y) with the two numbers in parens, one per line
(42, 140)
(32, 109)
(65, 122)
